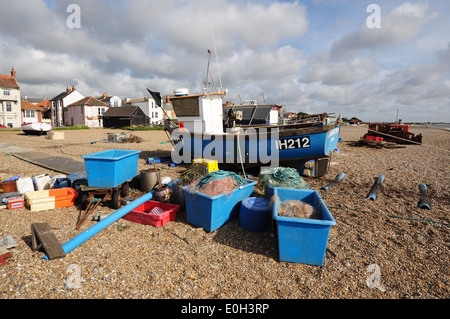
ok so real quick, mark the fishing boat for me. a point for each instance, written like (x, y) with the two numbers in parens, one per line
(36, 128)
(247, 135)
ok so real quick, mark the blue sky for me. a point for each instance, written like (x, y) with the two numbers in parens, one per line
(311, 56)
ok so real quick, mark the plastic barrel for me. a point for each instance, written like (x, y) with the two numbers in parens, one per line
(255, 214)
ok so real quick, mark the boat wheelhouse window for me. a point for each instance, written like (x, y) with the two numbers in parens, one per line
(186, 106)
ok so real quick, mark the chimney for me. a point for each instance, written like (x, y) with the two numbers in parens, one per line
(73, 87)
(13, 72)
(68, 89)
(105, 95)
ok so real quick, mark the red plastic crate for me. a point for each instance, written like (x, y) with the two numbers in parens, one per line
(16, 203)
(144, 215)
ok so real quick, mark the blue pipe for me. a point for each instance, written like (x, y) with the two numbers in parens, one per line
(424, 202)
(337, 179)
(95, 229)
(373, 191)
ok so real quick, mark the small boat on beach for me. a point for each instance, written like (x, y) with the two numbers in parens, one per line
(36, 128)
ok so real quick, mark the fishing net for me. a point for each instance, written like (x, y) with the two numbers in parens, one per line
(296, 209)
(217, 183)
(285, 177)
(193, 173)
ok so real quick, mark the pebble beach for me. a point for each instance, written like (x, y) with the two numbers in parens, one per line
(383, 249)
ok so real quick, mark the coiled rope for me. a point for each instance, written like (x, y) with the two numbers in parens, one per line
(285, 177)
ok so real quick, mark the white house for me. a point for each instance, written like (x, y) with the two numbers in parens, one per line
(150, 108)
(10, 104)
(60, 102)
(87, 111)
(113, 101)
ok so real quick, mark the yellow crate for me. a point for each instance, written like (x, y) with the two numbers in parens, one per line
(37, 194)
(210, 165)
(41, 200)
(42, 206)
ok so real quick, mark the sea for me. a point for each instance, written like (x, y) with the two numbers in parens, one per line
(445, 126)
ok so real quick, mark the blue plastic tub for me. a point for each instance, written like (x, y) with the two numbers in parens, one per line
(111, 168)
(255, 214)
(302, 240)
(212, 212)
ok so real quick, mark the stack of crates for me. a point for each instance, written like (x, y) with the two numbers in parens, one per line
(51, 199)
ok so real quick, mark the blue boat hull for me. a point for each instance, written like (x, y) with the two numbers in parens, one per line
(260, 149)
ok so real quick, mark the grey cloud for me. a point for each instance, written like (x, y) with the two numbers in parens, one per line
(402, 24)
(351, 71)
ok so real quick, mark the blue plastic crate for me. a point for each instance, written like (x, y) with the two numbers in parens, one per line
(212, 212)
(111, 168)
(302, 240)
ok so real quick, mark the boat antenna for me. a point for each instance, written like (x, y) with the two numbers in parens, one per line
(215, 52)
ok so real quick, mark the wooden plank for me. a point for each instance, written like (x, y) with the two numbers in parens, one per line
(43, 237)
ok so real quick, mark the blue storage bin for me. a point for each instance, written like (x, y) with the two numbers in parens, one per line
(255, 214)
(111, 168)
(212, 212)
(302, 240)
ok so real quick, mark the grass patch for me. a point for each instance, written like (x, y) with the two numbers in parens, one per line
(71, 128)
(144, 128)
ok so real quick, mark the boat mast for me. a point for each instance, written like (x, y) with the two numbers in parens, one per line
(208, 74)
(217, 59)
(396, 121)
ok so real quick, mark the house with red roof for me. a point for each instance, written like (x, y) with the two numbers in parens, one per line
(10, 102)
(46, 111)
(30, 113)
(87, 111)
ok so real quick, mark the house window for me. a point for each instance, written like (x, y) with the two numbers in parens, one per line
(6, 92)
(30, 113)
(101, 111)
(8, 107)
(116, 103)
